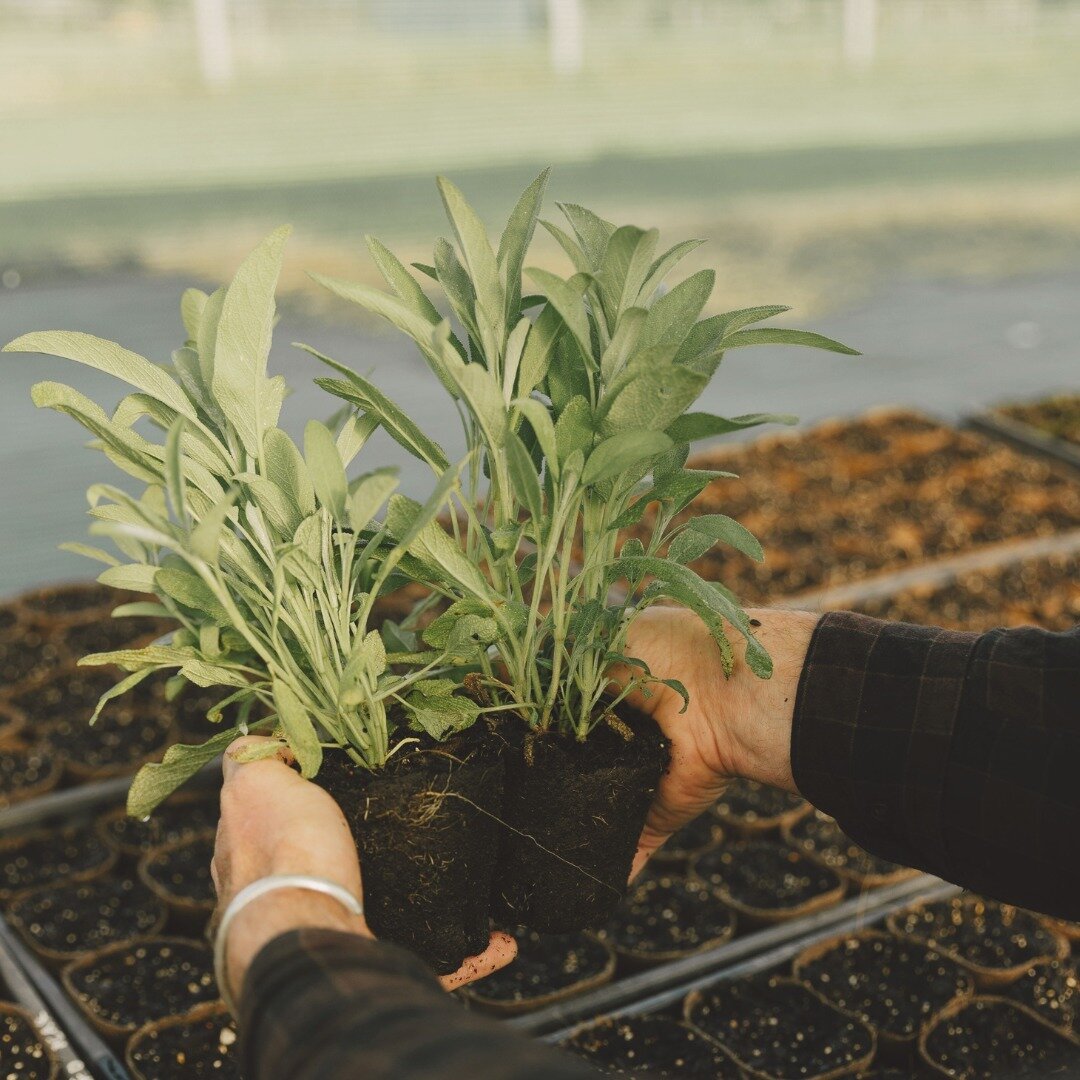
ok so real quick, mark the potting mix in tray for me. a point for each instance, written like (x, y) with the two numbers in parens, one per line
(441, 666)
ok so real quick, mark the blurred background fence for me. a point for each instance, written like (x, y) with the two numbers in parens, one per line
(818, 143)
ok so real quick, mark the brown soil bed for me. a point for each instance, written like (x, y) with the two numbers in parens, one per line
(1057, 416)
(547, 966)
(426, 827)
(202, 1046)
(989, 1037)
(818, 836)
(652, 1046)
(768, 881)
(777, 1027)
(41, 858)
(180, 871)
(848, 499)
(179, 818)
(67, 921)
(27, 771)
(126, 986)
(108, 634)
(1033, 592)
(663, 918)
(564, 863)
(27, 655)
(76, 599)
(690, 841)
(893, 985)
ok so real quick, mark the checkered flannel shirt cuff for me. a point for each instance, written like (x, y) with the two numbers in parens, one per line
(874, 719)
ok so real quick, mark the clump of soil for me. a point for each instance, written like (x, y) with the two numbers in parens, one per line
(128, 732)
(1057, 416)
(990, 1037)
(41, 858)
(768, 881)
(749, 808)
(691, 840)
(180, 872)
(564, 863)
(199, 1047)
(1052, 990)
(818, 836)
(181, 817)
(128, 985)
(980, 934)
(23, 1053)
(1038, 592)
(27, 655)
(663, 918)
(546, 966)
(426, 826)
(651, 1045)
(26, 771)
(66, 921)
(893, 985)
(777, 1027)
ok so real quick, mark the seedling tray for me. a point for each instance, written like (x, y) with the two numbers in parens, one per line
(1025, 437)
(656, 988)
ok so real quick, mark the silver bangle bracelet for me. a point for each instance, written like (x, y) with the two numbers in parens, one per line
(260, 888)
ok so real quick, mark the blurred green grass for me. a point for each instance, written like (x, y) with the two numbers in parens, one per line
(963, 140)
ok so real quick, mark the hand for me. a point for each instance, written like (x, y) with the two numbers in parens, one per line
(275, 822)
(735, 727)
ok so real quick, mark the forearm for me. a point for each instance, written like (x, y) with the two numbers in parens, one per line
(321, 1005)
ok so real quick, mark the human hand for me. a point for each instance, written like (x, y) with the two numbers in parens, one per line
(275, 822)
(735, 727)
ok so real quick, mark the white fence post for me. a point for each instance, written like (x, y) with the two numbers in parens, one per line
(566, 36)
(860, 32)
(214, 38)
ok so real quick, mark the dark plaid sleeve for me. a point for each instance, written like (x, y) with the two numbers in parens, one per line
(955, 753)
(322, 1005)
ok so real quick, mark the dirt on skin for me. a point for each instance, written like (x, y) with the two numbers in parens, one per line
(565, 861)
(426, 826)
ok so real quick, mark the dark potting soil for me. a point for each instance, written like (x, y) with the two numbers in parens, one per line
(194, 1050)
(818, 836)
(128, 731)
(426, 826)
(754, 805)
(651, 1045)
(23, 768)
(545, 964)
(982, 932)
(988, 1038)
(182, 870)
(179, 818)
(690, 840)
(765, 875)
(779, 1028)
(1052, 989)
(669, 915)
(893, 985)
(108, 634)
(8, 617)
(41, 858)
(1058, 416)
(70, 599)
(22, 1051)
(74, 919)
(145, 981)
(564, 863)
(28, 653)
(189, 710)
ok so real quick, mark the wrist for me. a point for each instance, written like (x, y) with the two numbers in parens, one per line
(762, 711)
(276, 913)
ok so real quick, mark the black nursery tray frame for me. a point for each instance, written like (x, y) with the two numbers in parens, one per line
(698, 973)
